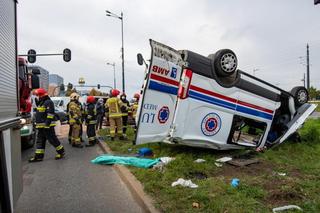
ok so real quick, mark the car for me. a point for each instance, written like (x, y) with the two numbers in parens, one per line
(200, 101)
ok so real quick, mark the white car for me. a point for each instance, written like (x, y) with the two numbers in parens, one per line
(203, 101)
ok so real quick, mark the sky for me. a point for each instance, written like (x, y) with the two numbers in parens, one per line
(267, 36)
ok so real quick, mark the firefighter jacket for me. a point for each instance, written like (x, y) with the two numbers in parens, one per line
(45, 116)
(75, 114)
(113, 106)
(134, 109)
(125, 107)
(91, 114)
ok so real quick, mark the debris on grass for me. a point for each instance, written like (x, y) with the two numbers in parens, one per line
(218, 164)
(282, 174)
(196, 205)
(185, 183)
(235, 182)
(282, 208)
(224, 159)
(142, 152)
(243, 162)
(166, 160)
(199, 160)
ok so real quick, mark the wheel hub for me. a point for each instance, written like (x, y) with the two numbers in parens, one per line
(228, 62)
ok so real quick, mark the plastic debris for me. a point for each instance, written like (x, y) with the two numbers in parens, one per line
(235, 182)
(282, 174)
(199, 160)
(129, 150)
(185, 183)
(145, 152)
(166, 160)
(195, 205)
(218, 164)
(282, 208)
(224, 159)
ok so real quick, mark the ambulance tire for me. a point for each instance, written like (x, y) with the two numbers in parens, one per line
(225, 62)
(301, 95)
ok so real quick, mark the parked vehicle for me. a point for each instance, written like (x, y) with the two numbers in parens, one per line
(28, 80)
(207, 102)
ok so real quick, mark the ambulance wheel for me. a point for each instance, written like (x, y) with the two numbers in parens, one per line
(225, 62)
(300, 95)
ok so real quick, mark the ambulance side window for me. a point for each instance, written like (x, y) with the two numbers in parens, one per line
(246, 130)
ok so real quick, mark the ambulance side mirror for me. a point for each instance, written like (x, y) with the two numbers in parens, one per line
(140, 59)
(36, 71)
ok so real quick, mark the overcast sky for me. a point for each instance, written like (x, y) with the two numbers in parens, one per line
(270, 36)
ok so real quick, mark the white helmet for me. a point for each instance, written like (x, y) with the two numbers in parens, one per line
(74, 96)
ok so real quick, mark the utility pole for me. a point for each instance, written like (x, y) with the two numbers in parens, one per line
(304, 80)
(308, 68)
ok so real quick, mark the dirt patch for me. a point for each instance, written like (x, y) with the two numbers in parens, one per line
(280, 197)
(197, 175)
(257, 169)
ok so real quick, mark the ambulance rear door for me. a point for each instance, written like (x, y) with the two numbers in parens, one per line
(157, 105)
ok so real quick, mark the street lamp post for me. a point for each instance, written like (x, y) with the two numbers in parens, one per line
(108, 13)
(114, 73)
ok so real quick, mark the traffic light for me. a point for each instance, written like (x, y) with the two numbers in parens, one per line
(32, 56)
(316, 2)
(67, 55)
(98, 86)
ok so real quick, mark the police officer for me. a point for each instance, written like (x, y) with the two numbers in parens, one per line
(100, 113)
(75, 117)
(90, 119)
(113, 106)
(124, 109)
(45, 122)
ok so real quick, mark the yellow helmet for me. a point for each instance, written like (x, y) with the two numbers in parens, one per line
(74, 96)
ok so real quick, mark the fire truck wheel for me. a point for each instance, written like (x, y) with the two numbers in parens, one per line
(300, 95)
(225, 62)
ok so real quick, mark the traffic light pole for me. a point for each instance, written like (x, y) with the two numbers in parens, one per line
(308, 68)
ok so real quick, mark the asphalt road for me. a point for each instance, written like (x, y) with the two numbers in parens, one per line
(315, 115)
(72, 184)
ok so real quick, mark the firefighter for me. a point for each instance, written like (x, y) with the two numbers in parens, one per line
(75, 117)
(90, 119)
(124, 109)
(45, 122)
(134, 107)
(113, 106)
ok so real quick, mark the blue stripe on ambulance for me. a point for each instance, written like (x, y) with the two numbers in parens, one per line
(228, 105)
(163, 88)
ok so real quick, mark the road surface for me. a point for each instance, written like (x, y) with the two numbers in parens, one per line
(72, 184)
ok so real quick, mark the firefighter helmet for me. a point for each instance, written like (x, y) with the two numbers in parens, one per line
(137, 96)
(41, 92)
(90, 99)
(74, 96)
(115, 92)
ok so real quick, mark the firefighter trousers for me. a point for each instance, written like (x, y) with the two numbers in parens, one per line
(115, 122)
(76, 134)
(91, 133)
(124, 123)
(49, 134)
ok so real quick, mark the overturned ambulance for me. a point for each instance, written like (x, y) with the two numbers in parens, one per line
(207, 102)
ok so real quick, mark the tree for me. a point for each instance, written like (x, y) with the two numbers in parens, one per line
(313, 93)
(94, 92)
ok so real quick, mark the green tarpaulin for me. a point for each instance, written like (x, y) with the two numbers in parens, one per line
(132, 161)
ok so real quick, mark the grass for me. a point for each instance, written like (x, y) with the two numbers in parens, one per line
(318, 107)
(261, 187)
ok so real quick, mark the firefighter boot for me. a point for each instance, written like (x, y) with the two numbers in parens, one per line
(36, 158)
(60, 152)
(77, 145)
(121, 138)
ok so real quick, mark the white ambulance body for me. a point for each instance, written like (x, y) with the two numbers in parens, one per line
(206, 102)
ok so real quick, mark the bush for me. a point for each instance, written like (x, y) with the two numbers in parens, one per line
(311, 131)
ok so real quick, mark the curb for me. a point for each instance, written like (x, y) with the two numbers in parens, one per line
(135, 187)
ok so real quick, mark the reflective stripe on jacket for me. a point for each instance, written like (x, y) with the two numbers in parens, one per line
(114, 104)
